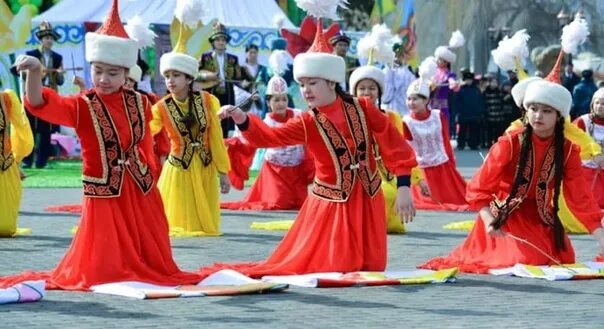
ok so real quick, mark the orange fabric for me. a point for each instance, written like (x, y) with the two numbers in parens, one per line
(481, 252)
(331, 236)
(447, 189)
(121, 238)
(594, 178)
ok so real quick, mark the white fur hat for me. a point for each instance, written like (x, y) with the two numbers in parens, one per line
(319, 65)
(549, 93)
(519, 89)
(135, 73)
(419, 87)
(178, 62)
(276, 86)
(366, 72)
(445, 53)
(111, 44)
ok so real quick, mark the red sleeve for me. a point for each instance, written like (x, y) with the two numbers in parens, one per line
(56, 109)
(146, 145)
(407, 132)
(576, 193)
(397, 154)
(241, 155)
(486, 181)
(580, 123)
(162, 143)
(445, 131)
(293, 132)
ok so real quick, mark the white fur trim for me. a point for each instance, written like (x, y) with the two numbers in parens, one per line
(178, 62)
(135, 73)
(549, 93)
(519, 89)
(111, 50)
(320, 65)
(445, 53)
(419, 87)
(366, 72)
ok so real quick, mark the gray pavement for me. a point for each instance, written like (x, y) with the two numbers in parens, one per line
(472, 302)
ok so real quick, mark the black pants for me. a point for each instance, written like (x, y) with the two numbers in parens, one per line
(469, 132)
(42, 148)
(495, 129)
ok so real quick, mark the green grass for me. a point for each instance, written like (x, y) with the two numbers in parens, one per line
(68, 173)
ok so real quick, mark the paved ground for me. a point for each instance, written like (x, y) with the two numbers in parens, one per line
(472, 302)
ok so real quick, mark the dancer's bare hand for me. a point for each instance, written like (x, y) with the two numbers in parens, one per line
(225, 184)
(234, 112)
(28, 63)
(404, 204)
(424, 188)
(488, 219)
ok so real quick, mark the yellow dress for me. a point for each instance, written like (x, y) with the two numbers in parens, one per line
(16, 142)
(189, 179)
(589, 149)
(394, 224)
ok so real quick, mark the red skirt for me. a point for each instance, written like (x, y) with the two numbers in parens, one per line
(275, 188)
(481, 252)
(118, 239)
(327, 237)
(447, 189)
(595, 180)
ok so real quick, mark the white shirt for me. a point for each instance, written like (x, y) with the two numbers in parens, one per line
(221, 75)
(394, 97)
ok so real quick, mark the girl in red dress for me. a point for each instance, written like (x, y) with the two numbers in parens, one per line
(517, 190)
(593, 124)
(286, 172)
(341, 227)
(123, 232)
(428, 132)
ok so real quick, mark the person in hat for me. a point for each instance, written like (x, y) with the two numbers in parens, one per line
(517, 190)
(224, 68)
(198, 162)
(282, 183)
(427, 130)
(341, 43)
(445, 79)
(16, 141)
(398, 79)
(123, 231)
(369, 81)
(52, 77)
(593, 124)
(469, 104)
(341, 227)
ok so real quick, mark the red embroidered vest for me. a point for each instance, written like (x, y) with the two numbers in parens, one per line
(350, 165)
(194, 138)
(6, 156)
(114, 160)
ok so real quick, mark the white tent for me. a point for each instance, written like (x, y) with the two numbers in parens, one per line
(242, 13)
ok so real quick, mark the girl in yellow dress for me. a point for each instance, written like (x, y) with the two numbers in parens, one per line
(16, 142)
(189, 180)
(368, 81)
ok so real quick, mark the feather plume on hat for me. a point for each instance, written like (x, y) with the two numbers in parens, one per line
(457, 40)
(322, 8)
(574, 35)
(139, 31)
(511, 50)
(376, 45)
(277, 62)
(190, 12)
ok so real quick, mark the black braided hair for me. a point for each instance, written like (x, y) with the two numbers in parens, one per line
(342, 93)
(558, 174)
(525, 149)
(267, 99)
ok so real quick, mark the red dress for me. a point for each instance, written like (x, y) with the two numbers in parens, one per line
(428, 133)
(480, 251)
(282, 183)
(341, 226)
(123, 232)
(594, 177)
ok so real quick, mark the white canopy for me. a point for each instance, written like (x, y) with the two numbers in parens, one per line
(242, 13)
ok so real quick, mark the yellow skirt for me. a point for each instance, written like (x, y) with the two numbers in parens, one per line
(571, 224)
(191, 199)
(10, 200)
(393, 221)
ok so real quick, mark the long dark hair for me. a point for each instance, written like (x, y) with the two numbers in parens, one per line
(189, 118)
(342, 93)
(525, 149)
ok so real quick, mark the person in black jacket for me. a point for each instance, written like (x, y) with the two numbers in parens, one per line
(569, 78)
(52, 69)
(469, 107)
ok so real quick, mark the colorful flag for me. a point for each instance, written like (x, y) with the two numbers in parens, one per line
(404, 26)
(382, 8)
